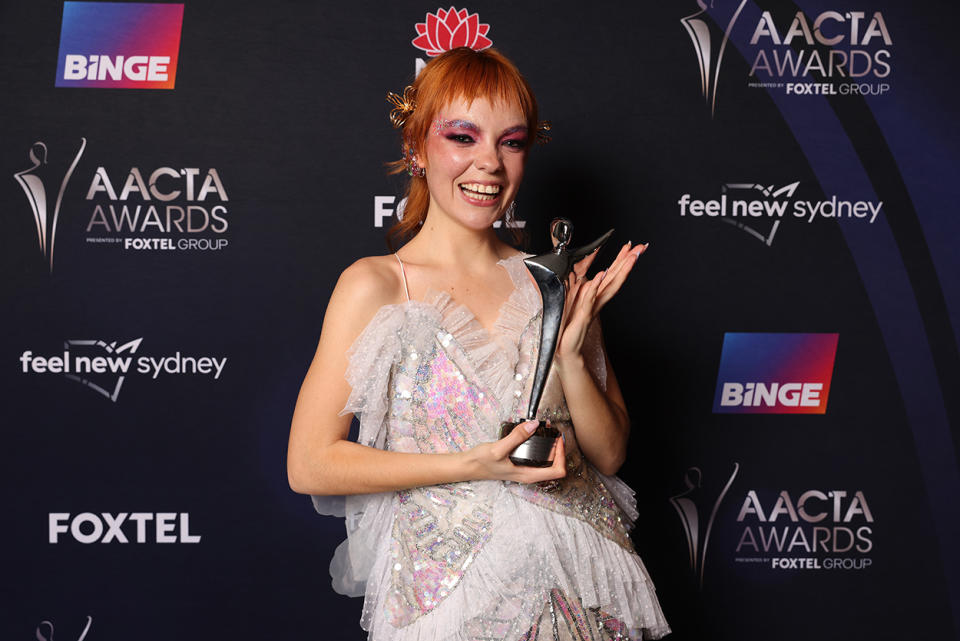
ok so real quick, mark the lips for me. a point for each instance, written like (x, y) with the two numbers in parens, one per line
(480, 192)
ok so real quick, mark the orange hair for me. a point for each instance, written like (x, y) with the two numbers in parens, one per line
(458, 73)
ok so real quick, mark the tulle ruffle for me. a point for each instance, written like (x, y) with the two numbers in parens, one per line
(530, 552)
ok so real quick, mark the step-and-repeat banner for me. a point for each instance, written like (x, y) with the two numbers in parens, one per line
(182, 184)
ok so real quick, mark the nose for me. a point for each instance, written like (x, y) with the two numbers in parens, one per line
(488, 158)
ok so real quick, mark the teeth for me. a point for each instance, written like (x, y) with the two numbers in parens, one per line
(481, 189)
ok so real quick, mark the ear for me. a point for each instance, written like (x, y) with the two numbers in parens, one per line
(420, 156)
(417, 154)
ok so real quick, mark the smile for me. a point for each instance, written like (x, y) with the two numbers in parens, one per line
(477, 191)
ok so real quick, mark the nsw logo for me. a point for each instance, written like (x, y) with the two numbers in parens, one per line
(767, 373)
(119, 45)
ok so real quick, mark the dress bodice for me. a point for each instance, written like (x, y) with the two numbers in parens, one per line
(427, 377)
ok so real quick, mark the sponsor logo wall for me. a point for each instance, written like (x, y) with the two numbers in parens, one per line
(786, 348)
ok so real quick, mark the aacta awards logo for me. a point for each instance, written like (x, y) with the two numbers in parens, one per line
(34, 180)
(119, 45)
(710, 43)
(810, 529)
(687, 505)
(161, 209)
(102, 367)
(831, 53)
(769, 373)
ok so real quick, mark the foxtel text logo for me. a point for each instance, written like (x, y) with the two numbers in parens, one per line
(767, 373)
(122, 527)
(119, 45)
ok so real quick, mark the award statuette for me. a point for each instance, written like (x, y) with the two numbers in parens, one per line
(550, 271)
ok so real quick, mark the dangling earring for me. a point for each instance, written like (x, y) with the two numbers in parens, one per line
(410, 160)
(510, 214)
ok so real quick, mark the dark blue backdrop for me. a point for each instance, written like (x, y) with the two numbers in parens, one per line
(285, 101)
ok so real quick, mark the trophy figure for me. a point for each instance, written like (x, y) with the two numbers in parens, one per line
(550, 271)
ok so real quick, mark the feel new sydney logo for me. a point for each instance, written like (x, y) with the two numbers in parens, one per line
(103, 367)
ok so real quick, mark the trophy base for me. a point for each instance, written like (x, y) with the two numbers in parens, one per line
(536, 451)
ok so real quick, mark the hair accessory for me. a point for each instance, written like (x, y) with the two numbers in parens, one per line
(543, 132)
(410, 162)
(404, 105)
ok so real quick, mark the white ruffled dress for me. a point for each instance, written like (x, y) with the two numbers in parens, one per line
(481, 559)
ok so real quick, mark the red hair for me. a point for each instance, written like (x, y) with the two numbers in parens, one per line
(458, 73)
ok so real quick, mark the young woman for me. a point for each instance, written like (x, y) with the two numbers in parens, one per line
(447, 538)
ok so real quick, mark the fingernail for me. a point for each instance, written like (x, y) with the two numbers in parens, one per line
(602, 275)
(531, 426)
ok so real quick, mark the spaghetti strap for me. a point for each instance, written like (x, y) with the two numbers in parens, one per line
(404, 275)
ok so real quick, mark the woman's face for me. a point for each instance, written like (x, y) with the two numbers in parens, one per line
(474, 160)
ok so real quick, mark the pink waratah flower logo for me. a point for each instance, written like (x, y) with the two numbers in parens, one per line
(450, 29)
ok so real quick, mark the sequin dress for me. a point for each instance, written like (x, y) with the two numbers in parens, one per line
(481, 559)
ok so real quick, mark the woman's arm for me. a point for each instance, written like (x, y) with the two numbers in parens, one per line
(320, 459)
(600, 416)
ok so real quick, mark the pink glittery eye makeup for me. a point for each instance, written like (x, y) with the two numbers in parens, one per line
(515, 136)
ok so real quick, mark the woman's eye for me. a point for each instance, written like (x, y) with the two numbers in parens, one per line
(460, 138)
(516, 143)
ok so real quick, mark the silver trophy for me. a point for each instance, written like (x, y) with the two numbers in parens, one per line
(550, 271)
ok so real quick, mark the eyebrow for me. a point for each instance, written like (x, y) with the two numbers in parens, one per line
(466, 124)
(513, 130)
(458, 124)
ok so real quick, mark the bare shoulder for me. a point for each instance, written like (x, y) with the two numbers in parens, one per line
(362, 289)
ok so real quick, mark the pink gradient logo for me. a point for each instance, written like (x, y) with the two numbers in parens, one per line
(119, 45)
(775, 373)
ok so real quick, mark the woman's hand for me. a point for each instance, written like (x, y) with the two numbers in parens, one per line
(585, 298)
(491, 461)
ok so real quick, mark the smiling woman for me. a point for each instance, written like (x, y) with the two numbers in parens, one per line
(444, 97)
(447, 538)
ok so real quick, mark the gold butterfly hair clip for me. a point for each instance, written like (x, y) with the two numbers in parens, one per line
(403, 106)
(543, 132)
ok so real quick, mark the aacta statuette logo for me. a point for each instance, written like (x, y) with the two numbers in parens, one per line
(119, 45)
(710, 47)
(686, 505)
(34, 184)
(44, 631)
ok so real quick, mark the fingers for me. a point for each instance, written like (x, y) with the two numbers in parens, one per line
(581, 267)
(559, 468)
(618, 272)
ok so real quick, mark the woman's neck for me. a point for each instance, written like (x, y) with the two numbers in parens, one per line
(442, 241)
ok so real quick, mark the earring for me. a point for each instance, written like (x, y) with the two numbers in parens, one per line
(510, 214)
(410, 161)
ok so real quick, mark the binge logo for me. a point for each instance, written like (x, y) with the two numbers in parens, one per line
(119, 45)
(775, 373)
